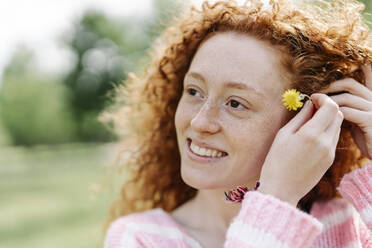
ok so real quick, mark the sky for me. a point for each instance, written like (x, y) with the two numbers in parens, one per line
(40, 23)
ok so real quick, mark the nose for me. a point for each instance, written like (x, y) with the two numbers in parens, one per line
(205, 120)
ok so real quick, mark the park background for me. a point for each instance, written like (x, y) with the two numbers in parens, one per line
(59, 62)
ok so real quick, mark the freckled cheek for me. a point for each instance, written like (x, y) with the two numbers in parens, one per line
(184, 115)
(189, 111)
(250, 132)
(241, 135)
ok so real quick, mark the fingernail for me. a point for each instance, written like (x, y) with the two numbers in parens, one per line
(307, 103)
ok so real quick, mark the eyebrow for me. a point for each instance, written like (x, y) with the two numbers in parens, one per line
(235, 85)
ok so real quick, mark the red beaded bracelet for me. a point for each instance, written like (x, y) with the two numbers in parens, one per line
(238, 194)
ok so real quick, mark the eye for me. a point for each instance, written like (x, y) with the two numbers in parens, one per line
(235, 104)
(192, 91)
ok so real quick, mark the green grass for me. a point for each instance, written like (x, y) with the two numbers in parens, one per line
(53, 196)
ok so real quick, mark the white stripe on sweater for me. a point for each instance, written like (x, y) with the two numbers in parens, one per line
(353, 244)
(337, 217)
(366, 214)
(128, 237)
(341, 216)
(253, 236)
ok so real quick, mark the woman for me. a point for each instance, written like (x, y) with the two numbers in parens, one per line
(207, 117)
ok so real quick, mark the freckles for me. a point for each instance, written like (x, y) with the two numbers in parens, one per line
(179, 120)
(241, 132)
(273, 117)
(185, 118)
(241, 127)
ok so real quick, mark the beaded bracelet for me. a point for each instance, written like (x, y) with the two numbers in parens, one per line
(237, 195)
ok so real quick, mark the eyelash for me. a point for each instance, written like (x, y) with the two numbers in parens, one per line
(189, 89)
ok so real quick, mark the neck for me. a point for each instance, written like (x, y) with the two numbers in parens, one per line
(212, 212)
(208, 211)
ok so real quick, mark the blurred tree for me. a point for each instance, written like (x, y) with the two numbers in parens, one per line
(106, 50)
(34, 107)
(38, 108)
(96, 41)
(163, 13)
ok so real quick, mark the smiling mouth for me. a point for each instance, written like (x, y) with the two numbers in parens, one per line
(205, 152)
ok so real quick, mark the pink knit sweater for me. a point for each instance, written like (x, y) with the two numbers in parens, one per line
(266, 221)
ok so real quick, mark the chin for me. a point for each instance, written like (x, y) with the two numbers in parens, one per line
(198, 180)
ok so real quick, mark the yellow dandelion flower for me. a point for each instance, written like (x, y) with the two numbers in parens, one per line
(292, 99)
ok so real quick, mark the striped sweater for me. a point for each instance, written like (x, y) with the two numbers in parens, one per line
(266, 221)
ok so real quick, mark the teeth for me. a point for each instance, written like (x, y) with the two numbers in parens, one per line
(214, 153)
(205, 152)
(208, 153)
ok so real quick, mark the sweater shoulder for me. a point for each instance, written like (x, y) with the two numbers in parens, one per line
(147, 229)
(155, 216)
(134, 229)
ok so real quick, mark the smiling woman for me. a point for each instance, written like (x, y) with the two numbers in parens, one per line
(207, 116)
(213, 112)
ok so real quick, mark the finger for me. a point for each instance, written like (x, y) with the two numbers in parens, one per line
(327, 110)
(334, 129)
(361, 118)
(350, 85)
(352, 101)
(367, 70)
(301, 117)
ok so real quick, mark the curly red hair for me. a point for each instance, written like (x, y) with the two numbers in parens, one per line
(324, 42)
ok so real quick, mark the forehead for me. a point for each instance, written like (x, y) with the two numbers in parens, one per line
(236, 57)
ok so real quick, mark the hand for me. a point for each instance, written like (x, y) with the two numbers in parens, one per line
(302, 150)
(356, 105)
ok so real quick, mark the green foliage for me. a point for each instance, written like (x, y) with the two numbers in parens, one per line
(98, 44)
(367, 12)
(164, 12)
(39, 109)
(107, 50)
(33, 108)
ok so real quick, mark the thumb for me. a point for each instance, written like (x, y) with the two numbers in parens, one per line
(301, 117)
